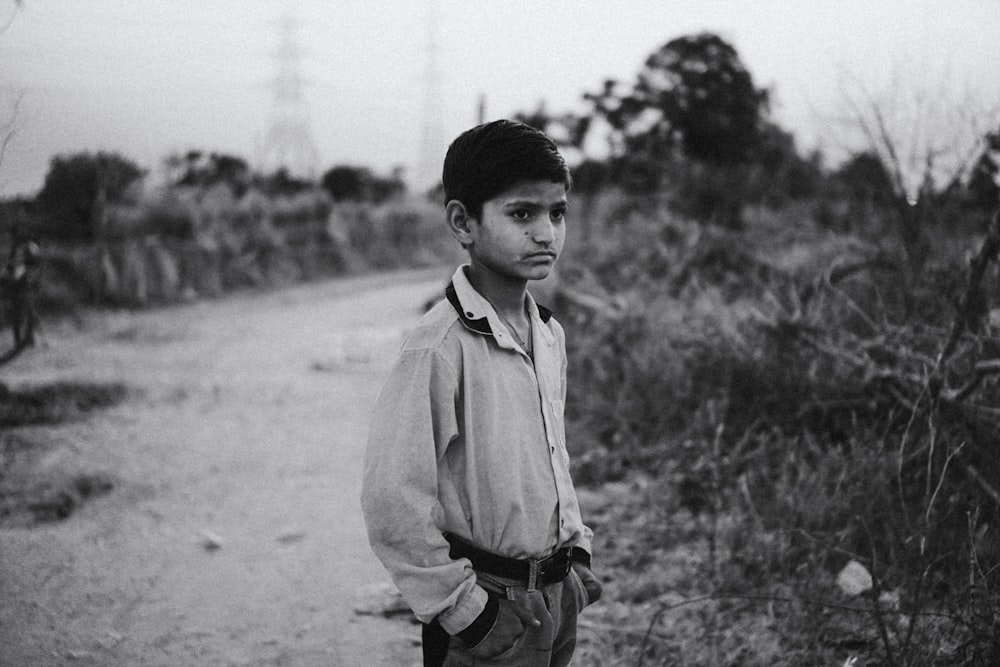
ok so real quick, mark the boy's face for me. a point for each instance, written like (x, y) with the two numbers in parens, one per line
(521, 231)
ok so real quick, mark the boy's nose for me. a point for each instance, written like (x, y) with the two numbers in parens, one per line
(544, 233)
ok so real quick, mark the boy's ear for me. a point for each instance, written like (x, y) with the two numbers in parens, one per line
(459, 222)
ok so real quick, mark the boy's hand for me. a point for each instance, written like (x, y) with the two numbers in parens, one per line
(590, 582)
(512, 623)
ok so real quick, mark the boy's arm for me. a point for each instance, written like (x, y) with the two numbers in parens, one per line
(413, 422)
(580, 555)
(583, 549)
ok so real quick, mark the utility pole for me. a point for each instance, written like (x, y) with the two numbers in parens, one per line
(289, 142)
(432, 142)
(481, 109)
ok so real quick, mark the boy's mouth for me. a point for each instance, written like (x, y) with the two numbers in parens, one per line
(544, 254)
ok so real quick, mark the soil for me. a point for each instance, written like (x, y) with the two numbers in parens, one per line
(211, 517)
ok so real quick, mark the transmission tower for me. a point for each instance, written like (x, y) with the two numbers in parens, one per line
(432, 142)
(289, 142)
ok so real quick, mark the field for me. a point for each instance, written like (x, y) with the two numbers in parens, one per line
(783, 434)
(790, 443)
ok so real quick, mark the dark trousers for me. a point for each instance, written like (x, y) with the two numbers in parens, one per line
(435, 644)
(555, 605)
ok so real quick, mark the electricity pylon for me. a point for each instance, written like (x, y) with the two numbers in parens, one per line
(289, 142)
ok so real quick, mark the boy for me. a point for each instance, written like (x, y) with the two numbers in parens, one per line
(467, 494)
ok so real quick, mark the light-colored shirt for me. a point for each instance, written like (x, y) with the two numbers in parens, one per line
(467, 437)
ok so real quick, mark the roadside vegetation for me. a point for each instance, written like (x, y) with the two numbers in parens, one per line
(784, 375)
(786, 462)
(32, 494)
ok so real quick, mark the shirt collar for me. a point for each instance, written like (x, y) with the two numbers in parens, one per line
(476, 312)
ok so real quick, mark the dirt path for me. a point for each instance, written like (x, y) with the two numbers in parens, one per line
(247, 429)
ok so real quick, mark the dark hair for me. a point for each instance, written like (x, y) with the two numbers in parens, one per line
(492, 157)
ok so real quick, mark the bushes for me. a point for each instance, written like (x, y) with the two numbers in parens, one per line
(798, 424)
(639, 377)
(396, 234)
(190, 243)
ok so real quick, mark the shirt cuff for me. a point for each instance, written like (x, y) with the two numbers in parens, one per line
(481, 627)
(466, 612)
(579, 555)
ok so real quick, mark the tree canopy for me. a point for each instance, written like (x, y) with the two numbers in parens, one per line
(692, 94)
(984, 179)
(351, 183)
(73, 185)
(198, 169)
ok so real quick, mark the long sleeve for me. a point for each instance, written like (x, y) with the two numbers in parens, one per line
(413, 422)
(467, 437)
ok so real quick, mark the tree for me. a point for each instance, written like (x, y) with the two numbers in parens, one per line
(282, 183)
(350, 183)
(984, 179)
(7, 125)
(926, 133)
(200, 170)
(695, 94)
(383, 188)
(8, 122)
(76, 183)
(866, 180)
(345, 183)
(780, 172)
(693, 99)
(568, 130)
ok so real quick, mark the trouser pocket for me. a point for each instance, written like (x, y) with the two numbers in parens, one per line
(574, 581)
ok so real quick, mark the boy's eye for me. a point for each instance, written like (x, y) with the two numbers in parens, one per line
(521, 214)
(558, 214)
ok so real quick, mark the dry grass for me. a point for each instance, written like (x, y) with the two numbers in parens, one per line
(772, 418)
(54, 403)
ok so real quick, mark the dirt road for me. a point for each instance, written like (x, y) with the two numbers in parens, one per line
(244, 432)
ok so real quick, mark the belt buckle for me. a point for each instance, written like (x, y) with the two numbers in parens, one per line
(555, 563)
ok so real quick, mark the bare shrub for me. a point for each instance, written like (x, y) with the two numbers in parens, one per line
(795, 424)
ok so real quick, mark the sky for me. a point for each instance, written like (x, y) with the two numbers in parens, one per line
(149, 79)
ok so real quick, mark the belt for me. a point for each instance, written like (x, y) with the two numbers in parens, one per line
(532, 572)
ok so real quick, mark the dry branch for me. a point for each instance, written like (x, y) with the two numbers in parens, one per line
(843, 271)
(982, 369)
(822, 604)
(897, 367)
(973, 298)
(978, 478)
